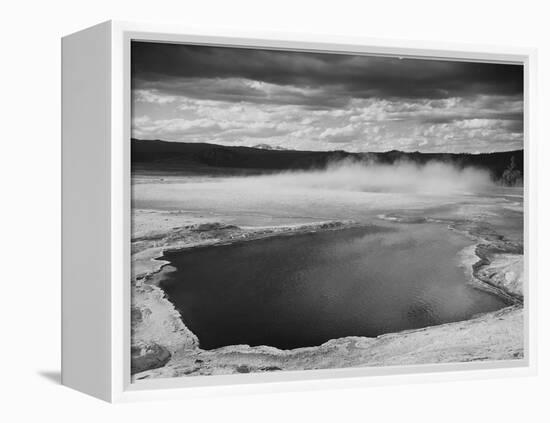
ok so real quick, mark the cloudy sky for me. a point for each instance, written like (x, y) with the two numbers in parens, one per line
(313, 101)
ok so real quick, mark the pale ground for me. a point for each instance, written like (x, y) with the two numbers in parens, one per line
(163, 347)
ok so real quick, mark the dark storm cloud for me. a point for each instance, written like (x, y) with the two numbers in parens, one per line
(157, 65)
(236, 89)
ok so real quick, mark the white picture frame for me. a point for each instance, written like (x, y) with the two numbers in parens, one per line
(96, 226)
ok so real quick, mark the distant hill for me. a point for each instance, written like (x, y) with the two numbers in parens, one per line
(202, 157)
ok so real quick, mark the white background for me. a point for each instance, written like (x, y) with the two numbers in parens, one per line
(30, 195)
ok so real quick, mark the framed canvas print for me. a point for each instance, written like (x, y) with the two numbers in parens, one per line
(244, 211)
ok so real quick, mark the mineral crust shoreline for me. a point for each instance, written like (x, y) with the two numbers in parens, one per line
(162, 346)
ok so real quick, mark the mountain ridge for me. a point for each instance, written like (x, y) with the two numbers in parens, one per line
(158, 154)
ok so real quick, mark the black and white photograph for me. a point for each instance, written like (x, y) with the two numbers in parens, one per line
(295, 211)
(307, 210)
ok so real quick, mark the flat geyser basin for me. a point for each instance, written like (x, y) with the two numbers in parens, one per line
(303, 290)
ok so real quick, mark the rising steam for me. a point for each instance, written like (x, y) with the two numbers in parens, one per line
(432, 177)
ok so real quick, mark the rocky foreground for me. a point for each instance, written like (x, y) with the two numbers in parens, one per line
(162, 346)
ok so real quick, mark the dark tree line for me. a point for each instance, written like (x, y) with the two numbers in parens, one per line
(512, 176)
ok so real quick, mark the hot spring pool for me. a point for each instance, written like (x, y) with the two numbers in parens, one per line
(303, 290)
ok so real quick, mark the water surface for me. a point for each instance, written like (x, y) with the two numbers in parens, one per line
(302, 290)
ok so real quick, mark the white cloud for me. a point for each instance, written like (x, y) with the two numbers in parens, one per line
(482, 123)
(153, 96)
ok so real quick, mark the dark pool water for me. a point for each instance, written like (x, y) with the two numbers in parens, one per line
(303, 290)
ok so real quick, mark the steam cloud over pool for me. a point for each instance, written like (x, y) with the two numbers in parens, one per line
(433, 177)
(345, 190)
